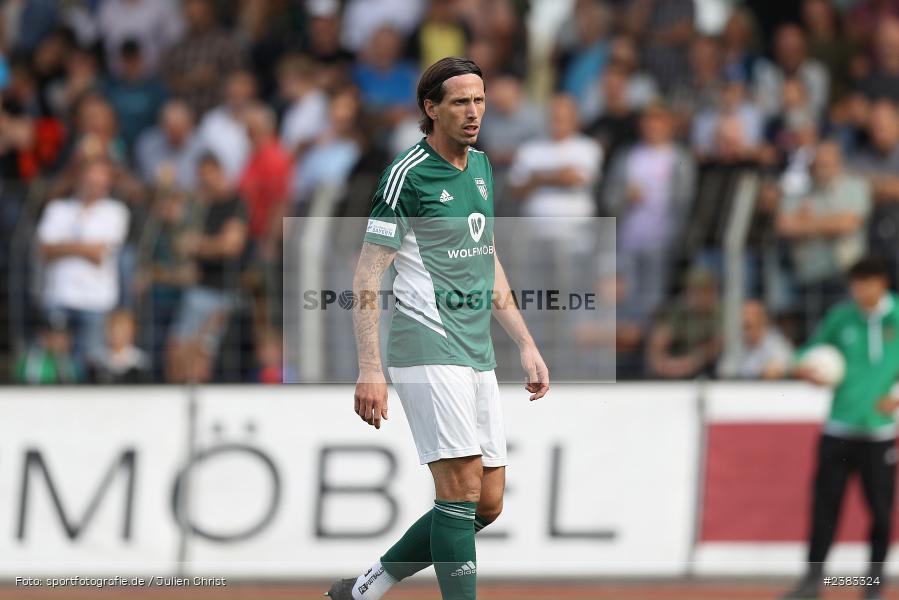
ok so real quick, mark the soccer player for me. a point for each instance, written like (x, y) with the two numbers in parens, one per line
(860, 434)
(432, 220)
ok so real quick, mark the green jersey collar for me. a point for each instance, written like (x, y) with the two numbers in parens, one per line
(435, 154)
(883, 308)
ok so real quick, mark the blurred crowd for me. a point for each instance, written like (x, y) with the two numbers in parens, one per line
(149, 150)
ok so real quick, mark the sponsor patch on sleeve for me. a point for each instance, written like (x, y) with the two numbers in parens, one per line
(381, 228)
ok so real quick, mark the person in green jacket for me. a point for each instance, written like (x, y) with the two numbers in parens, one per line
(49, 360)
(860, 433)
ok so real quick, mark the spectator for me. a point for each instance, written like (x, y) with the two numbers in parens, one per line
(264, 182)
(306, 116)
(883, 82)
(47, 65)
(641, 88)
(734, 104)
(22, 90)
(135, 95)
(664, 30)
(121, 362)
(167, 155)
(386, 81)
(16, 139)
(685, 342)
(324, 44)
(866, 15)
(484, 53)
(153, 25)
(828, 45)
(702, 90)
(363, 18)
(332, 158)
(511, 120)
(616, 127)
(729, 159)
(80, 239)
(82, 76)
(739, 42)
(798, 145)
(32, 22)
(796, 113)
(195, 67)
(879, 163)
(206, 307)
(97, 130)
(501, 24)
(791, 140)
(790, 60)
(222, 131)
(630, 332)
(553, 177)
(164, 271)
(268, 30)
(50, 360)
(764, 352)
(825, 230)
(649, 188)
(583, 49)
(612, 328)
(442, 33)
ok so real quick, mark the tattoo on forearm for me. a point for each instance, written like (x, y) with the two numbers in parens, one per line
(373, 262)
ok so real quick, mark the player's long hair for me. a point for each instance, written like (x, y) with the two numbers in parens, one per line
(430, 86)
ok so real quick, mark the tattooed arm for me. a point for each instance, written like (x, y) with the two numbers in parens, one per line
(371, 387)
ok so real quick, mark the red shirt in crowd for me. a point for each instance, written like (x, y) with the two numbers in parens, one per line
(264, 184)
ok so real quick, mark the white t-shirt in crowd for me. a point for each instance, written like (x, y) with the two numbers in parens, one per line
(579, 152)
(305, 120)
(75, 282)
(361, 18)
(225, 136)
(155, 24)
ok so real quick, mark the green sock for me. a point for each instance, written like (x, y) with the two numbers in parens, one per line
(412, 552)
(452, 549)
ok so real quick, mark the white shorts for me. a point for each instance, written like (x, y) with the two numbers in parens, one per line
(453, 411)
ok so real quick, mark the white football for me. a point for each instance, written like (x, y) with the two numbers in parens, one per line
(827, 363)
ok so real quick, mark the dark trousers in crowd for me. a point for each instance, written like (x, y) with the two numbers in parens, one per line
(875, 463)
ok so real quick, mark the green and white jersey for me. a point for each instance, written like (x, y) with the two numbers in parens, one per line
(870, 345)
(440, 221)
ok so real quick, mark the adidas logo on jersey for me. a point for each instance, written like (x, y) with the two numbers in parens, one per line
(468, 568)
(445, 196)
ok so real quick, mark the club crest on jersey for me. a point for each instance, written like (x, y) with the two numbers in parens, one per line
(482, 186)
(476, 225)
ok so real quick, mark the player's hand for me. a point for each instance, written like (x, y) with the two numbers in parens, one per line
(808, 374)
(538, 374)
(888, 405)
(371, 397)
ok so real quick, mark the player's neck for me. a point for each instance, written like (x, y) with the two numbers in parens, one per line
(450, 150)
